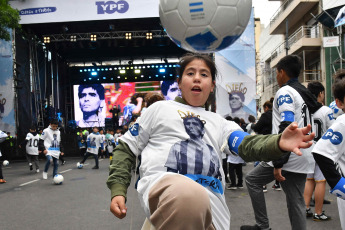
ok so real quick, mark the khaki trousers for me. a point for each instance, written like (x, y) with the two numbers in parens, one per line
(178, 203)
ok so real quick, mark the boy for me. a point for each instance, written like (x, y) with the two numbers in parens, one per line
(94, 142)
(323, 119)
(109, 142)
(292, 103)
(50, 145)
(329, 151)
(31, 143)
(3, 137)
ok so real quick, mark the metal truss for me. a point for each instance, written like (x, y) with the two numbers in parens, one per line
(147, 34)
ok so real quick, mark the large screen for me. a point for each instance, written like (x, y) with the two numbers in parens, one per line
(94, 103)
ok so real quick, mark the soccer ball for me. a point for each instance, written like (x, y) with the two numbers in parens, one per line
(80, 165)
(58, 179)
(5, 163)
(204, 26)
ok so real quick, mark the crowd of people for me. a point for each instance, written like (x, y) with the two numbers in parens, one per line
(185, 150)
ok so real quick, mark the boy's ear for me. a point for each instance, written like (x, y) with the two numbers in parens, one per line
(340, 104)
(213, 85)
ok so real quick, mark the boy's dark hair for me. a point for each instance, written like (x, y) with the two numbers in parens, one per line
(272, 100)
(188, 58)
(229, 118)
(291, 64)
(315, 88)
(268, 104)
(339, 85)
(237, 120)
(54, 122)
(33, 127)
(98, 87)
(165, 86)
(251, 118)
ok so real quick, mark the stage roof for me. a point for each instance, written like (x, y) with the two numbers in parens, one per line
(111, 43)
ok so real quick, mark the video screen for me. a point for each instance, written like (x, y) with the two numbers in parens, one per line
(94, 103)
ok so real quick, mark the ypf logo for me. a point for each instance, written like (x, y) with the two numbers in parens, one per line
(284, 99)
(335, 137)
(111, 7)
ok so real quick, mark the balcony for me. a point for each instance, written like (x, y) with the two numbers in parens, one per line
(306, 38)
(294, 11)
(311, 75)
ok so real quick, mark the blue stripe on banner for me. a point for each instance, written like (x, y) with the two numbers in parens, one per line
(196, 4)
(213, 183)
(197, 10)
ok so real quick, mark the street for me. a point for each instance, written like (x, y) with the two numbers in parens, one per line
(82, 201)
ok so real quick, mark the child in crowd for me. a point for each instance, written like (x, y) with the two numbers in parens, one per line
(109, 143)
(181, 144)
(50, 145)
(31, 144)
(3, 137)
(329, 151)
(94, 143)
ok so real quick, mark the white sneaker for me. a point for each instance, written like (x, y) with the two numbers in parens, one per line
(45, 175)
(37, 170)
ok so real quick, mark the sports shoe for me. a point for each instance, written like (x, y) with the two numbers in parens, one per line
(37, 170)
(231, 187)
(249, 227)
(96, 167)
(264, 188)
(326, 201)
(31, 168)
(45, 175)
(276, 187)
(2, 181)
(64, 162)
(308, 213)
(240, 186)
(321, 217)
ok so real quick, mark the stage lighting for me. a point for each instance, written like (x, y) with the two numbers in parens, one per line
(137, 71)
(93, 37)
(122, 71)
(148, 35)
(46, 40)
(162, 70)
(128, 36)
(73, 38)
(94, 73)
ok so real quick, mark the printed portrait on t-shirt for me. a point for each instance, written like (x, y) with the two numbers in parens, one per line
(193, 156)
(93, 142)
(55, 143)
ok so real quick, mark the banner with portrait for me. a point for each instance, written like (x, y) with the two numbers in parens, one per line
(236, 82)
(7, 121)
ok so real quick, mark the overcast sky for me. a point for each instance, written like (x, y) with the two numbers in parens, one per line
(265, 9)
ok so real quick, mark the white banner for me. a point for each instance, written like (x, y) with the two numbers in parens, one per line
(46, 11)
(236, 84)
(331, 41)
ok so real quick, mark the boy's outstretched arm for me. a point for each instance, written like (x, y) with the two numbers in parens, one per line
(118, 206)
(270, 147)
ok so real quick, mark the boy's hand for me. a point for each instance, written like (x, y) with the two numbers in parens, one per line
(118, 207)
(45, 152)
(294, 138)
(278, 174)
(62, 154)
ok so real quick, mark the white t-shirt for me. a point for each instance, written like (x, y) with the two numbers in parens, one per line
(32, 144)
(323, 119)
(3, 137)
(235, 159)
(52, 141)
(94, 142)
(332, 144)
(160, 137)
(109, 141)
(288, 105)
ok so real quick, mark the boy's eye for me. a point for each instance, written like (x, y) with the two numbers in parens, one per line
(204, 75)
(190, 73)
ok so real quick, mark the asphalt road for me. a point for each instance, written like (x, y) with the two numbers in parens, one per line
(82, 202)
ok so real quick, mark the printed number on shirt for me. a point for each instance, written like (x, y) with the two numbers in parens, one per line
(317, 129)
(33, 143)
(304, 115)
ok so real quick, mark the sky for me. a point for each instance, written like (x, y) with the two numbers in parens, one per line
(265, 9)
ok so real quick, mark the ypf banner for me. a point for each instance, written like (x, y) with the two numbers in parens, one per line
(7, 122)
(46, 11)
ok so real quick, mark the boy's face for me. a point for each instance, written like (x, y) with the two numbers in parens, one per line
(53, 126)
(95, 130)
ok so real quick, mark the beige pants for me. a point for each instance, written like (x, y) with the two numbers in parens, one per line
(176, 202)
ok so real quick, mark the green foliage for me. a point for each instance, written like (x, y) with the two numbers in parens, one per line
(9, 18)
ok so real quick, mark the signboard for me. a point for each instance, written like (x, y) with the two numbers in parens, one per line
(331, 41)
(47, 11)
(7, 122)
(236, 83)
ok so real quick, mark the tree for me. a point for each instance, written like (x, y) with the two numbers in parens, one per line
(9, 18)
